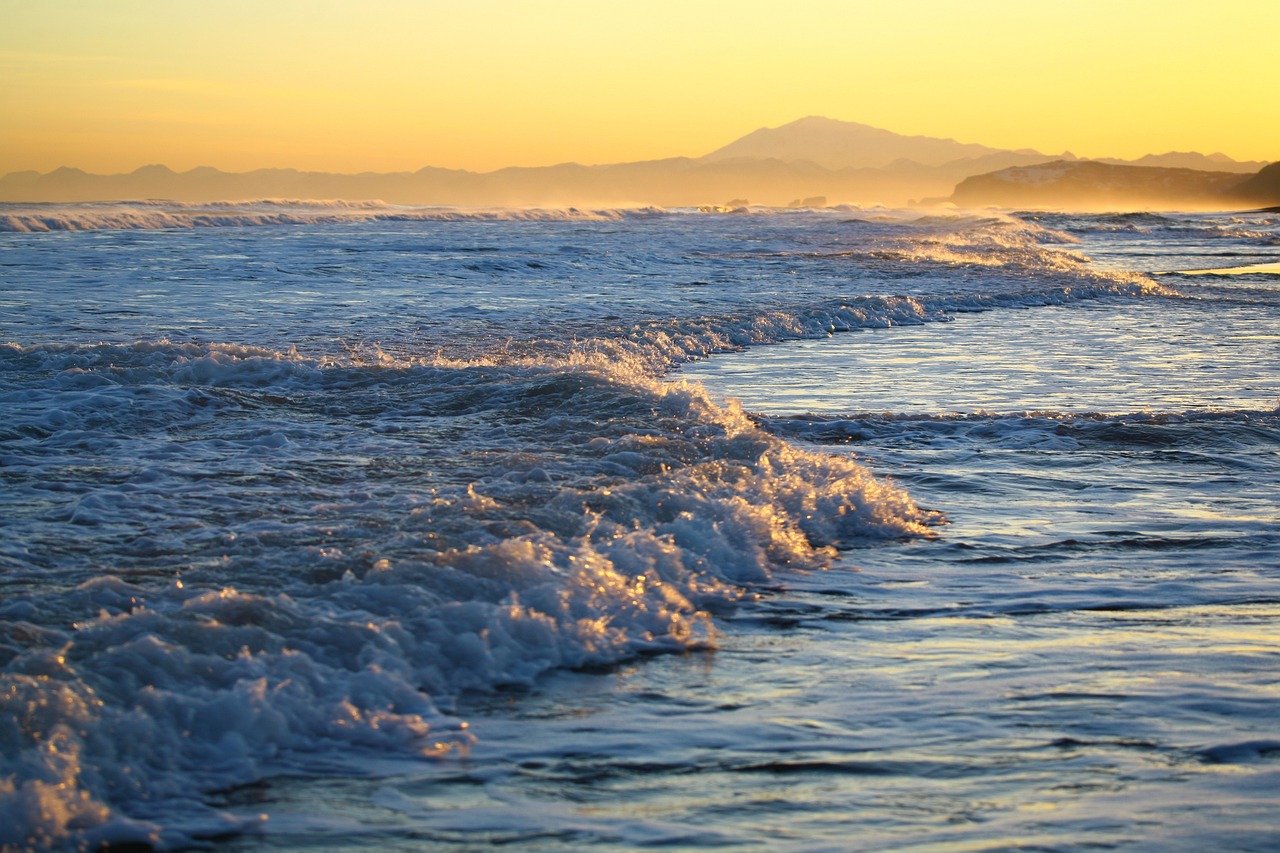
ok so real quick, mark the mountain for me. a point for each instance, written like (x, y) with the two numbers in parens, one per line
(838, 145)
(1216, 162)
(1091, 185)
(675, 182)
(806, 159)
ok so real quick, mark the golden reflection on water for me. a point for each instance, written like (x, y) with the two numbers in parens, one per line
(1264, 269)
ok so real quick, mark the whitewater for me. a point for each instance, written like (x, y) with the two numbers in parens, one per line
(345, 525)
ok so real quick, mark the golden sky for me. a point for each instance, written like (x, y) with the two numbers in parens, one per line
(392, 85)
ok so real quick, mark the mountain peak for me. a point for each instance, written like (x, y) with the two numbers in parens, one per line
(835, 144)
(154, 170)
(823, 121)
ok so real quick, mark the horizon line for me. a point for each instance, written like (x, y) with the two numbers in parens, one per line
(1066, 154)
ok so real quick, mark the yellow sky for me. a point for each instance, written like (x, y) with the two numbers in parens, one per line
(388, 85)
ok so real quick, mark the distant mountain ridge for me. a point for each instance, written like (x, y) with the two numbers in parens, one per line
(837, 145)
(808, 158)
(1216, 162)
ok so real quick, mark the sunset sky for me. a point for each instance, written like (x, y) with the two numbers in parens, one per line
(391, 85)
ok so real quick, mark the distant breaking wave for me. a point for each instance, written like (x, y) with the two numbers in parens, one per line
(159, 215)
(162, 214)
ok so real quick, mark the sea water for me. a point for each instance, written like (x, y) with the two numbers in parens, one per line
(350, 526)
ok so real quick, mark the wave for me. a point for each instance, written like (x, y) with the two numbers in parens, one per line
(307, 561)
(1257, 229)
(1209, 430)
(225, 562)
(160, 215)
(650, 347)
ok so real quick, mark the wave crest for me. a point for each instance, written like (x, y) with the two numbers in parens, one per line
(356, 543)
(156, 215)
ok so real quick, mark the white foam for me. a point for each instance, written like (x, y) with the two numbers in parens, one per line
(232, 560)
(156, 694)
(154, 215)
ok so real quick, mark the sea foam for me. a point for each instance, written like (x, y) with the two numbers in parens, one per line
(35, 218)
(355, 603)
(239, 557)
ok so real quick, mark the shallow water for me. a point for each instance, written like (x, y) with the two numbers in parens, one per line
(421, 551)
(1085, 658)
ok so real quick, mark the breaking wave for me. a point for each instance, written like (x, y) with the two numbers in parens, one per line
(225, 561)
(32, 218)
(302, 556)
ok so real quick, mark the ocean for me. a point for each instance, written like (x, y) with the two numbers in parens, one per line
(336, 526)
